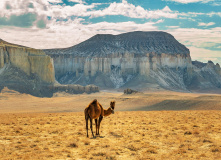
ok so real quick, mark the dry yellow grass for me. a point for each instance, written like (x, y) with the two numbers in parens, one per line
(28, 133)
(124, 135)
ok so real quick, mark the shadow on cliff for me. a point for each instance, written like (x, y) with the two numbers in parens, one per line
(15, 79)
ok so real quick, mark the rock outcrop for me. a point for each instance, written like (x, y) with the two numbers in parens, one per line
(130, 91)
(74, 88)
(26, 70)
(112, 61)
(28, 60)
(31, 71)
(206, 76)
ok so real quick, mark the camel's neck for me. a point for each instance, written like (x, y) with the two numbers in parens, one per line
(107, 112)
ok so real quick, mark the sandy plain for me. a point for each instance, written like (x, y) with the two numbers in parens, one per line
(152, 125)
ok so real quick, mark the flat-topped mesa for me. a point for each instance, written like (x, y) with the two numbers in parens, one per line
(29, 60)
(134, 52)
(137, 42)
(119, 57)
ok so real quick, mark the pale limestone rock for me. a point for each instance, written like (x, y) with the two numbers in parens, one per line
(30, 61)
(119, 58)
(218, 69)
(42, 66)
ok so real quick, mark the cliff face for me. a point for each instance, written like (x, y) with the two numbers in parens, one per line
(206, 76)
(113, 61)
(30, 61)
(26, 70)
(31, 71)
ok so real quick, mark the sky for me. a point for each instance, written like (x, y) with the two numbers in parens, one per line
(44, 24)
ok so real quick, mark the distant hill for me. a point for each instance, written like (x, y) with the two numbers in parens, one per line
(137, 42)
(137, 60)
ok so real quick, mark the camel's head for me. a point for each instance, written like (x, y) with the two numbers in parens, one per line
(112, 106)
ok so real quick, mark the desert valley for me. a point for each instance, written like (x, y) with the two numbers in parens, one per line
(150, 125)
(172, 112)
(114, 80)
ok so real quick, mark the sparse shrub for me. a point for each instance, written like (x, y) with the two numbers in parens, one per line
(68, 155)
(73, 145)
(110, 157)
(99, 154)
(215, 149)
(130, 91)
(33, 145)
(86, 143)
(206, 140)
(132, 148)
(151, 150)
(187, 133)
(181, 151)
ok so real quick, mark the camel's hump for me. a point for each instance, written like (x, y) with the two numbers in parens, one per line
(94, 101)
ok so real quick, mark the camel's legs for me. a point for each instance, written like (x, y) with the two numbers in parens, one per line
(86, 118)
(99, 122)
(91, 127)
(96, 126)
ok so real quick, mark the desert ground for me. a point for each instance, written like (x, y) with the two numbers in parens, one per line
(152, 125)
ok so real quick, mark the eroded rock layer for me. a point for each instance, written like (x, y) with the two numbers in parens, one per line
(31, 71)
(26, 70)
(113, 61)
(29, 60)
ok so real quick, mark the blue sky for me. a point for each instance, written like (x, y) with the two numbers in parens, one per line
(62, 23)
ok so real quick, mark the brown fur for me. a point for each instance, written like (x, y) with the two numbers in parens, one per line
(95, 111)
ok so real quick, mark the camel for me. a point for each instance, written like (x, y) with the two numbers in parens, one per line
(95, 111)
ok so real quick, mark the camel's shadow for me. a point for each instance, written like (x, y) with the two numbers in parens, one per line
(97, 137)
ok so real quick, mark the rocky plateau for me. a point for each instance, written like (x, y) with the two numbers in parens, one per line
(139, 60)
(31, 71)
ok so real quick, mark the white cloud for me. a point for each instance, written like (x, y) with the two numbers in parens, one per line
(204, 54)
(172, 27)
(53, 1)
(216, 4)
(191, 1)
(214, 14)
(60, 34)
(57, 11)
(160, 21)
(206, 24)
(130, 10)
(192, 15)
(166, 9)
(76, 1)
(65, 34)
(197, 39)
(43, 9)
